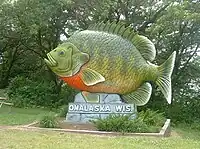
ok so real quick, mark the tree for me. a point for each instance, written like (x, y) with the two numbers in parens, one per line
(8, 47)
(178, 31)
(31, 25)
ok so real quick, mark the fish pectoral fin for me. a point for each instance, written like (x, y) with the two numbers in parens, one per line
(91, 77)
(141, 96)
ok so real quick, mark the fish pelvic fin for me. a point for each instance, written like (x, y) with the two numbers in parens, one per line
(164, 79)
(91, 97)
(141, 96)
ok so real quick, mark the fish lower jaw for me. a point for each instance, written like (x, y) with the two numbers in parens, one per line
(67, 74)
(51, 60)
(48, 62)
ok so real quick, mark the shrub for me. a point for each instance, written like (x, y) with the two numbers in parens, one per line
(28, 93)
(67, 95)
(111, 123)
(184, 108)
(148, 121)
(48, 121)
(63, 111)
(195, 125)
(152, 118)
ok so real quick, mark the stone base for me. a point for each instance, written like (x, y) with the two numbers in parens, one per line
(111, 99)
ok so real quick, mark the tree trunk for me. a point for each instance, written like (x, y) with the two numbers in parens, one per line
(6, 72)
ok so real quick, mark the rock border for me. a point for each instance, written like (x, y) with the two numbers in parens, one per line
(164, 132)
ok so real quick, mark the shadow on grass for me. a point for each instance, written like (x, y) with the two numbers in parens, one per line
(186, 132)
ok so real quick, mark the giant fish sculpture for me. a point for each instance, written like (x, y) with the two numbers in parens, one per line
(111, 58)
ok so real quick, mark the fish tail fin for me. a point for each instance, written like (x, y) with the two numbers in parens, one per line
(164, 79)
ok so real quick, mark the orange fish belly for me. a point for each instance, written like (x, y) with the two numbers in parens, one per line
(77, 83)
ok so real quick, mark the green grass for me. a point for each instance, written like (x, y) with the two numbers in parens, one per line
(187, 133)
(14, 139)
(16, 116)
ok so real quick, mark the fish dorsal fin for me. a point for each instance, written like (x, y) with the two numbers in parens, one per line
(141, 96)
(113, 28)
(142, 43)
(145, 46)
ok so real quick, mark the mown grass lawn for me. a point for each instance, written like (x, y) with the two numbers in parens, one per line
(18, 139)
(16, 116)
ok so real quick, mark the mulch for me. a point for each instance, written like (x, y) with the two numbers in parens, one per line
(88, 126)
(67, 125)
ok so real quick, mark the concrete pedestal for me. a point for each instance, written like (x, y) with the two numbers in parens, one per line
(83, 112)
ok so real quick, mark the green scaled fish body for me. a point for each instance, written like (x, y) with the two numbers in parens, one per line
(113, 59)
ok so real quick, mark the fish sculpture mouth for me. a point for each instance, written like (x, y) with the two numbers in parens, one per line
(50, 61)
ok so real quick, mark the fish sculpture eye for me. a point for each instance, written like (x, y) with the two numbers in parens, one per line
(62, 53)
